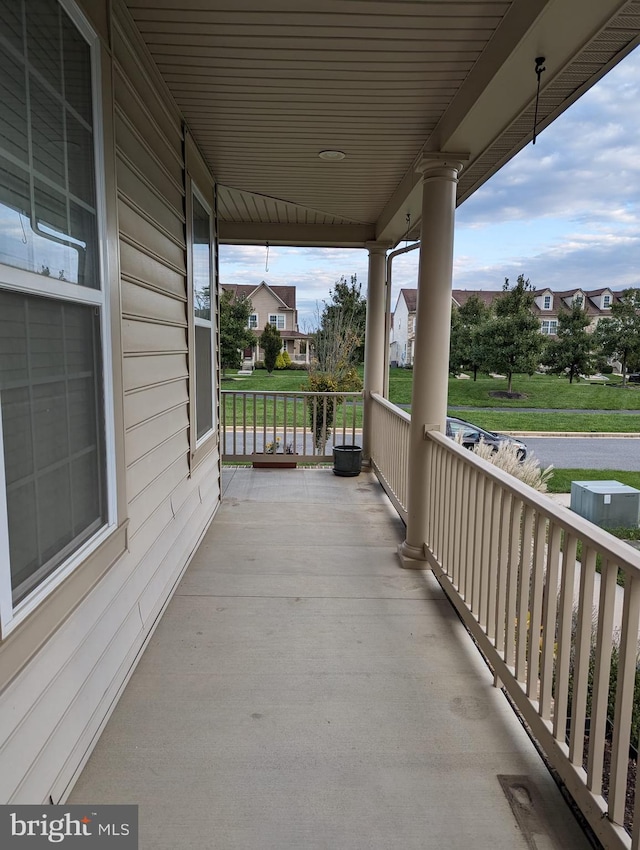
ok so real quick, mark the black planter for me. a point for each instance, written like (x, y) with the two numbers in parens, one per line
(347, 460)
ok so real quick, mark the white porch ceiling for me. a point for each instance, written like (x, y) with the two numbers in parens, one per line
(265, 85)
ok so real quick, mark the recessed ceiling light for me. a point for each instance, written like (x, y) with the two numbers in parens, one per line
(332, 156)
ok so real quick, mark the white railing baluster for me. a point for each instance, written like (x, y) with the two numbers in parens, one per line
(513, 558)
(627, 663)
(535, 618)
(494, 560)
(601, 676)
(524, 588)
(584, 630)
(549, 619)
(503, 572)
(565, 616)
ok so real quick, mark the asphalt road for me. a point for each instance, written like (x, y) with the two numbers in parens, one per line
(587, 452)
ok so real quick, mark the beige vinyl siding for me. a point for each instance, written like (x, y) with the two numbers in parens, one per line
(144, 371)
(152, 338)
(60, 680)
(140, 302)
(264, 303)
(144, 232)
(134, 150)
(142, 508)
(151, 401)
(142, 268)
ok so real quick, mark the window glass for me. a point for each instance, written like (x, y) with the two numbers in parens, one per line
(201, 270)
(201, 260)
(47, 184)
(253, 321)
(52, 453)
(277, 321)
(50, 389)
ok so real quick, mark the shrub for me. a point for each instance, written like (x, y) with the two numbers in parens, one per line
(283, 361)
(321, 413)
(506, 458)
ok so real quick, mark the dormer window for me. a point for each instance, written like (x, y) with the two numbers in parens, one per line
(579, 300)
(606, 302)
(547, 302)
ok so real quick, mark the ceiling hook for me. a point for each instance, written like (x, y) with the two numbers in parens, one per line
(538, 70)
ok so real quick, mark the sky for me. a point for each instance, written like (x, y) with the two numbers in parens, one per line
(565, 213)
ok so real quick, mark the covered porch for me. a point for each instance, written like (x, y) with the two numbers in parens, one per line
(301, 691)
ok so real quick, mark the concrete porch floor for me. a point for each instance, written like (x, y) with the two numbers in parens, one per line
(302, 691)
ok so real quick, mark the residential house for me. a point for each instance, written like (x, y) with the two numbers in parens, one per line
(548, 303)
(403, 330)
(134, 136)
(275, 305)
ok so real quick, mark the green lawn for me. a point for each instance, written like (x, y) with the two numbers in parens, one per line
(546, 391)
(561, 480)
(618, 422)
(542, 391)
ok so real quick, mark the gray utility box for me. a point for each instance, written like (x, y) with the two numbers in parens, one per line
(609, 504)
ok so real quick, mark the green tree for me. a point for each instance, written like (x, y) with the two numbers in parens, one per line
(619, 336)
(511, 339)
(456, 343)
(271, 344)
(572, 352)
(338, 348)
(235, 335)
(467, 343)
(341, 326)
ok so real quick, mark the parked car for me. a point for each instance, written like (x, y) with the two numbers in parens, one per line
(634, 378)
(473, 434)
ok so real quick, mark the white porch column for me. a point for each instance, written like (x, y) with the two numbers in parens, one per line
(374, 358)
(432, 332)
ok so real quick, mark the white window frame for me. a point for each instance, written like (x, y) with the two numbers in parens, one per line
(253, 327)
(19, 280)
(207, 323)
(276, 324)
(547, 329)
(606, 302)
(579, 300)
(546, 302)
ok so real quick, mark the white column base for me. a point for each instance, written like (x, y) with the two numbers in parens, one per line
(412, 557)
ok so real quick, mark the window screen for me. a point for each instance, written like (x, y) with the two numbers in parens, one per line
(50, 397)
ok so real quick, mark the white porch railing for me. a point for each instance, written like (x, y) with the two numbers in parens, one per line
(280, 427)
(390, 450)
(537, 587)
(522, 573)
